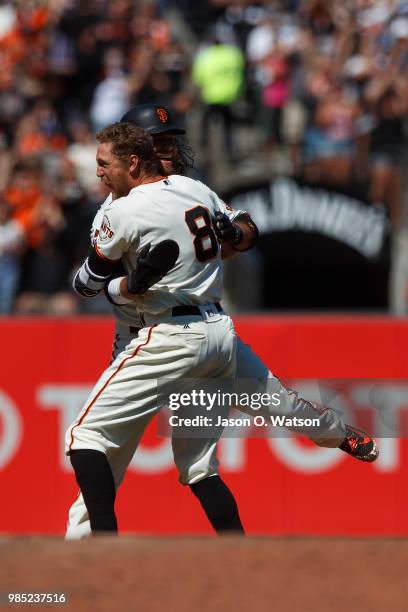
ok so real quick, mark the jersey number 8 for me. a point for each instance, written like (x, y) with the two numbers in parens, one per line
(205, 241)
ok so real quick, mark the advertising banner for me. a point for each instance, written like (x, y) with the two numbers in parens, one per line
(284, 484)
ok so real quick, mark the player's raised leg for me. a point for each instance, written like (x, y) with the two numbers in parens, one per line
(331, 432)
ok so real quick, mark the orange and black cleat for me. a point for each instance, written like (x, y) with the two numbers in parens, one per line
(359, 444)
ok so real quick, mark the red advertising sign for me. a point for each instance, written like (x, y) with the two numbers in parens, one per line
(283, 485)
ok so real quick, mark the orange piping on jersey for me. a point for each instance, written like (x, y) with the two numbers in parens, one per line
(102, 256)
(107, 383)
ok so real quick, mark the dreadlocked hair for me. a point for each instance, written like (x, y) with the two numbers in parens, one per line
(185, 157)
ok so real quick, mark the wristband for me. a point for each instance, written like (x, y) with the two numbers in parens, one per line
(115, 294)
(89, 279)
(245, 218)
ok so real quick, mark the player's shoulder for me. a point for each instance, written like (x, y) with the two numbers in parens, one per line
(123, 203)
(114, 210)
(188, 182)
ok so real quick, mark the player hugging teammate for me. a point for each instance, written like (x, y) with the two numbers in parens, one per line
(157, 247)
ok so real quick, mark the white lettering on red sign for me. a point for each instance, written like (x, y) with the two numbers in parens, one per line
(288, 449)
(12, 429)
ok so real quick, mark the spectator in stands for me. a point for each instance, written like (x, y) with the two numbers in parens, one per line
(71, 64)
(387, 99)
(270, 48)
(38, 132)
(218, 71)
(330, 138)
(11, 246)
(111, 98)
(44, 273)
(82, 153)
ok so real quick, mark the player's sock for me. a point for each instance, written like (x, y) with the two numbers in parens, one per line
(219, 504)
(95, 479)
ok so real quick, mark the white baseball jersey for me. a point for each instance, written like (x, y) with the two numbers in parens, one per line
(131, 222)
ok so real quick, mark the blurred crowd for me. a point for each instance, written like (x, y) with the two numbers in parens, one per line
(323, 81)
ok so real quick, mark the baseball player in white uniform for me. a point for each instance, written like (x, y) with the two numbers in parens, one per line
(332, 432)
(184, 333)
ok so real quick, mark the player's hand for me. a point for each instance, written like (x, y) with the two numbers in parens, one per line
(226, 230)
(152, 265)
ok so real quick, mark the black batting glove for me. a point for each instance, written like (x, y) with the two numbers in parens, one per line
(226, 230)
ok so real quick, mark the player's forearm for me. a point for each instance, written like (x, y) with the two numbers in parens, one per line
(152, 265)
(248, 239)
(92, 275)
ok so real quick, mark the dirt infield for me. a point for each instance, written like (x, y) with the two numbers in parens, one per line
(217, 574)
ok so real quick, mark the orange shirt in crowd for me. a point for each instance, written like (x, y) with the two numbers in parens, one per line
(24, 204)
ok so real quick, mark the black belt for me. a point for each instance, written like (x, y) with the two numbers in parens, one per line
(184, 310)
(181, 311)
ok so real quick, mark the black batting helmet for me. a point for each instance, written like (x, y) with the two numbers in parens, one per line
(153, 118)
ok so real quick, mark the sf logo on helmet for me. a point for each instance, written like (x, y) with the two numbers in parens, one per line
(162, 114)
